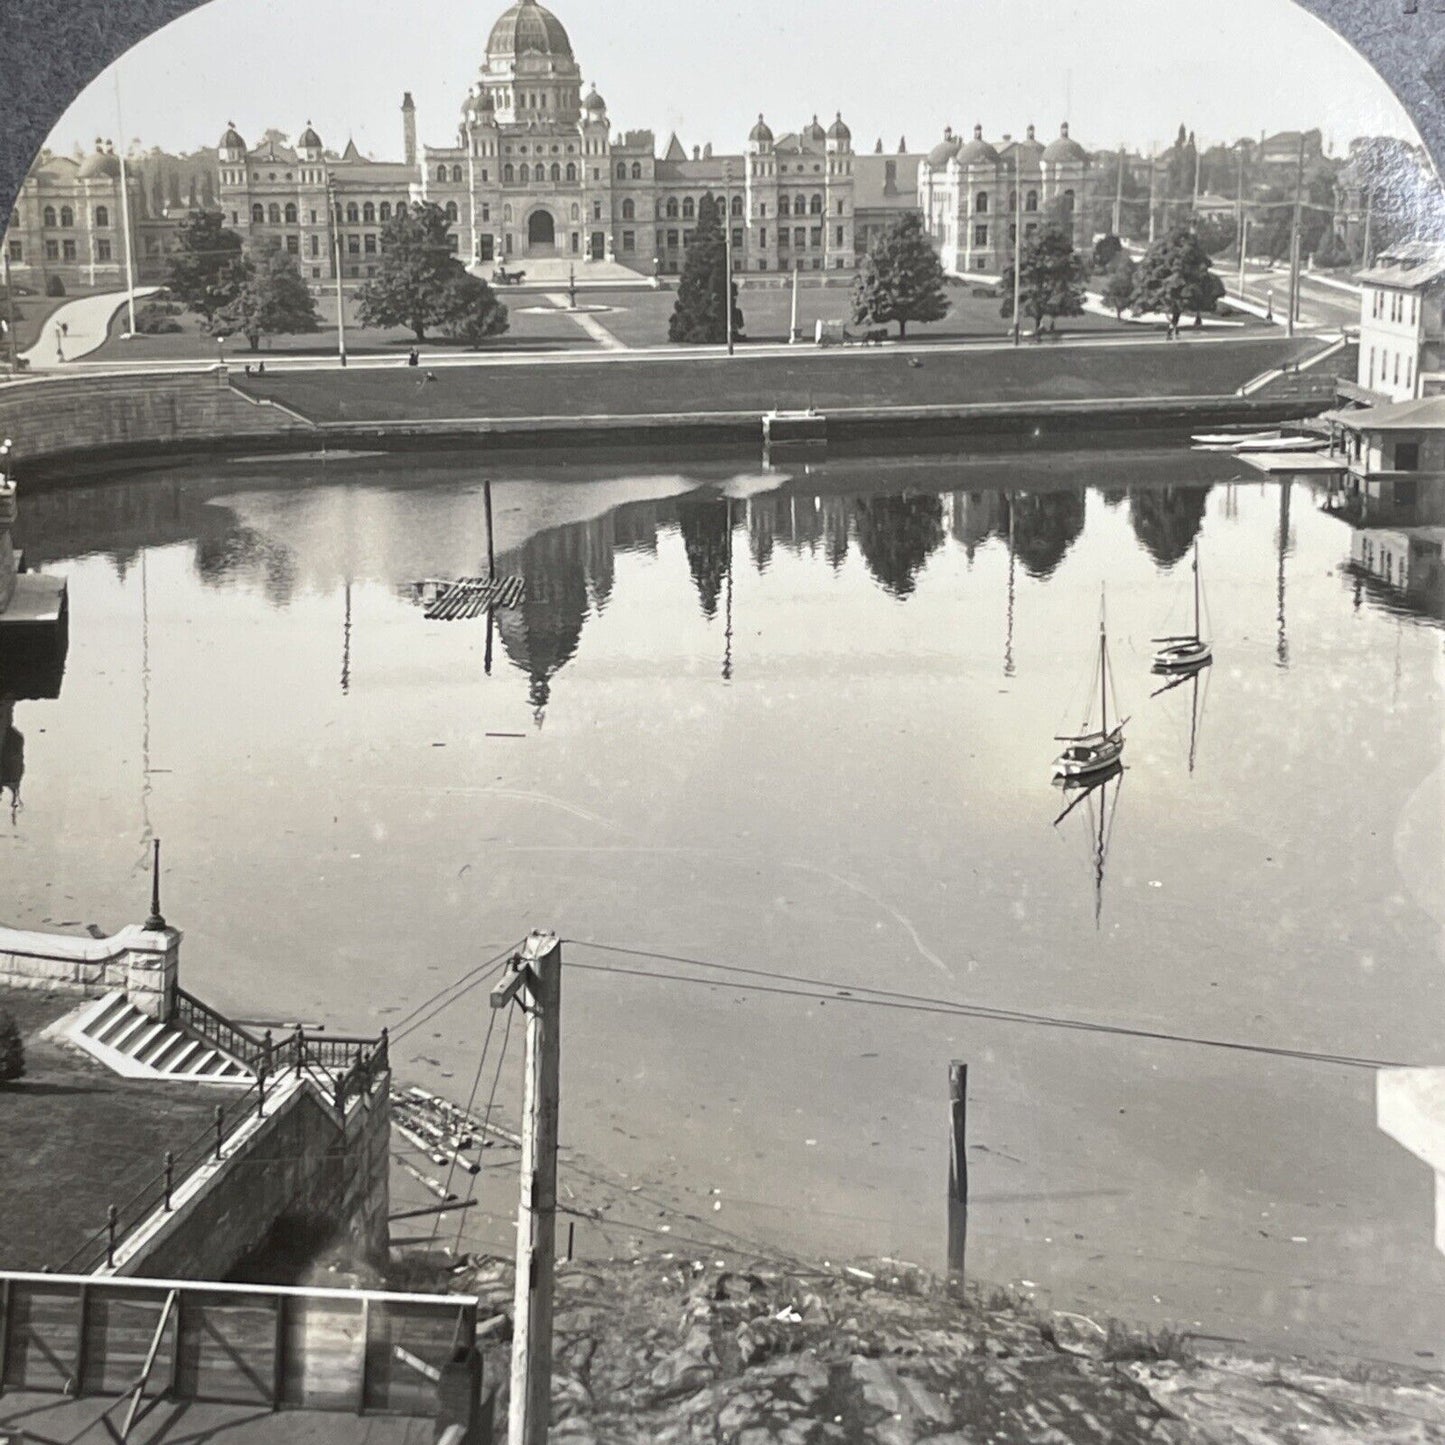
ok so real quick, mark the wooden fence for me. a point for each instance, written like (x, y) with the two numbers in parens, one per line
(280, 1348)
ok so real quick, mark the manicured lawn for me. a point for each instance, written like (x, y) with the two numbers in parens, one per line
(75, 1137)
(857, 377)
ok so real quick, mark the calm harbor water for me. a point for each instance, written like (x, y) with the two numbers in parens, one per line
(800, 720)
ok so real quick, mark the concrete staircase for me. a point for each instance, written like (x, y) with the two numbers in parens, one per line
(136, 1046)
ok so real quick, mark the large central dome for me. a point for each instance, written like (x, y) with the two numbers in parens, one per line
(527, 28)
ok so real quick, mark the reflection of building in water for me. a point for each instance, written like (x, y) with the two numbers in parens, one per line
(1407, 561)
(897, 535)
(972, 517)
(1045, 526)
(1166, 520)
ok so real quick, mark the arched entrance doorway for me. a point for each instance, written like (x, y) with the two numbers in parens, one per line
(541, 234)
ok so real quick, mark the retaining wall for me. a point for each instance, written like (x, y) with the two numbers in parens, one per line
(144, 964)
(297, 1166)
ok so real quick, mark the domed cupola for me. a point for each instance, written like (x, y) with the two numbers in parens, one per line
(594, 103)
(531, 30)
(814, 132)
(840, 138)
(102, 164)
(977, 152)
(1064, 151)
(309, 146)
(760, 137)
(946, 149)
(233, 146)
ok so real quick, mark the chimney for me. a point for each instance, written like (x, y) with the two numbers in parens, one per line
(978, 132)
(408, 128)
(1031, 132)
(707, 151)
(697, 153)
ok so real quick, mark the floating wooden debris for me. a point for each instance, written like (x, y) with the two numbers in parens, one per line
(467, 597)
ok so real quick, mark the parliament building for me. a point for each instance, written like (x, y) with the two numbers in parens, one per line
(536, 174)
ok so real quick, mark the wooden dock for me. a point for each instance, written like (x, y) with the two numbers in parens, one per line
(469, 597)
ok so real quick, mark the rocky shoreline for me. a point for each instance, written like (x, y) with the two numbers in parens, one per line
(673, 1351)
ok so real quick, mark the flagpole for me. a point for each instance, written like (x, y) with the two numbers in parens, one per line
(125, 211)
(1018, 239)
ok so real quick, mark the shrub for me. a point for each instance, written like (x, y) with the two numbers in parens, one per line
(54, 286)
(12, 1049)
(153, 320)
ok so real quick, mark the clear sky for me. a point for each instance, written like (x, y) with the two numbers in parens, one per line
(1122, 71)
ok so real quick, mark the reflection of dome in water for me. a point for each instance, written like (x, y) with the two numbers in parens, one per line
(542, 634)
(1166, 520)
(1045, 526)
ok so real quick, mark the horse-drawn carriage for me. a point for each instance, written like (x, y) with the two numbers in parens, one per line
(503, 277)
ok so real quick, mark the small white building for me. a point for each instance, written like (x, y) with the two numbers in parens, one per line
(1402, 324)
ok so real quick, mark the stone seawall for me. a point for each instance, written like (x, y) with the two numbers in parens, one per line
(57, 419)
(297, 1167)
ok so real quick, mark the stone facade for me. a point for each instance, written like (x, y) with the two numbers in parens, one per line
(967, 191)
(143, 964)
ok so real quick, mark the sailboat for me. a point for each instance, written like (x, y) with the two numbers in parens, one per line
(1090, 753)
(1178, 654)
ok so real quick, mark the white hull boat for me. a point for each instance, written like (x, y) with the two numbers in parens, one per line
(1092, 752)
(1181, 654)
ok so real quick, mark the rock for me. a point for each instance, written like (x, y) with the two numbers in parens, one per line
(748, 1407)
(1078, 1334)
(572, 1431)
(879, 1385)
(569, 1398)
(921, 1403)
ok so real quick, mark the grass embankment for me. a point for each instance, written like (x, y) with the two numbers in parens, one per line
(75, 1138)
(829, 380)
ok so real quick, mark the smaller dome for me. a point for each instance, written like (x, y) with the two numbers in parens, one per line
(977, 151)
(232, 140)
(99, 165)
(594, 102)
(309, 141)
(1063, 149)
(839, 131)
(760, 131)
(814, 131)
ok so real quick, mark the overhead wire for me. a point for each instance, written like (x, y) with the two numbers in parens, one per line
(409, 1022)
(486, 1118)
(830, 991)
(471, 1099)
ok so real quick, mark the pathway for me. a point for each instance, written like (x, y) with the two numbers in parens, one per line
(589, 323)
(78, 328)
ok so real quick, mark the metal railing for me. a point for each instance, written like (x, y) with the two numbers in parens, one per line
(341, 1067)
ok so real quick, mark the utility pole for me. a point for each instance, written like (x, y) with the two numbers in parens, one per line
(535, 984)
(1119, 196)
(1294, 241)
(1239, 217)
(1018, 242)
(1243, 242)
(727, 221)
(793, 324)
(125, 214)
(957, 1168)
(1369, 219)
(332, 205)
(1153, 172)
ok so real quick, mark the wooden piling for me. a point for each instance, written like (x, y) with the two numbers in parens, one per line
(957, 1167)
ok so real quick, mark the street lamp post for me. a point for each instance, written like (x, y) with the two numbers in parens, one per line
(336, 249)
(727, 257)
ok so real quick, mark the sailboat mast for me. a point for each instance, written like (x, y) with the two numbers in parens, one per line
(1197, 633)
(1103, 680)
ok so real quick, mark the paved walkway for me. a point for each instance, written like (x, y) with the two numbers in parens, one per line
(589, 323)
(78, 328)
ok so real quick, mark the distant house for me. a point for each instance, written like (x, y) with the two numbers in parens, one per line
(1402, 324)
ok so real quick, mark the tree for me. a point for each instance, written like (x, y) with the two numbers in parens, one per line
(272, 300)
(1175, 277)
(1119, 284)
(12, 1049)
(1106, 249)
(1052, 277)
(901, 278)
(207, 270)
(471, 312)
(1216, 233)
(698, 315)
(417, 267)
(897, 535)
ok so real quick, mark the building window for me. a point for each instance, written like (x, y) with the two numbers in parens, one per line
(800, 237)
(735, 206)
(290, 213)
(762, 237)
(840, 207)
(316, 245)
(50, 215)
(1013, 234)
(672, 240)
(763, 209)
(385, 212)
(457, 174)
(293, 245)
(506, 213)
(689, 210)
(67, 216)
(258, 214)
(637, 170)
(596, 210)
(737, 237)
(102, 218)
(52, 250)
(785, 236)
(273, 214)
(1031, 201)
(762, 263)
(816, 205)
(452, 212)
(571, 170)
(838, 236)
(628, 210)
(370, 245)
(816, 237)
(102, 250)
(629, 240)
(672, 208)
(353, 246)
(980, 235)
(1067, 204)
(980, 203)
(1407, 456)
(785, 206)
(686, 239)
(621, 170)
(576, 211)
(67, 250)
(526, 174)
(508, 175)
(353, 214)
(17, 252)
(441, 173)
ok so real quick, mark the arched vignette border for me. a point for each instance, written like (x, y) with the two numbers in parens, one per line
(49, 53)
